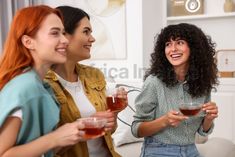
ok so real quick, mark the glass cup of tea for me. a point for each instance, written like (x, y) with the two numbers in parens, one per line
(114, 103)
(93, 126)
(190, 109)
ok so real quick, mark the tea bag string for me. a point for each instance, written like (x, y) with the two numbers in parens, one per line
(185, 91)
(181, 93)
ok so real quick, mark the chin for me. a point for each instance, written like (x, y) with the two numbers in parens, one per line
(87, 56)
(62, 60)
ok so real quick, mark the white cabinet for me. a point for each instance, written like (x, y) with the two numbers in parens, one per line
(225, 99)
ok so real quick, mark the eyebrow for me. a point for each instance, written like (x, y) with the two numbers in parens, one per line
(56, 28)
(88, 28)
(179, 38)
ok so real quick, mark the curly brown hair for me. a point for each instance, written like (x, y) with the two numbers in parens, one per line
(202, 73)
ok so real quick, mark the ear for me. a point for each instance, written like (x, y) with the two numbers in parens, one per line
(27, 42)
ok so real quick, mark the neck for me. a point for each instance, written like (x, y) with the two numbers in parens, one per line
(181, 73)
(67, 71)
(41, 70)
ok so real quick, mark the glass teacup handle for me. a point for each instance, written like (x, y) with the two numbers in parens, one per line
(130, 88)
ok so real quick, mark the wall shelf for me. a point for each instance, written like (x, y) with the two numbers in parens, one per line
(216, 23)
(198, 17)
(227, 81)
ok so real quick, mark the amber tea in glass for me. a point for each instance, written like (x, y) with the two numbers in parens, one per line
(114, 103)
(94, 126)
(190, 109)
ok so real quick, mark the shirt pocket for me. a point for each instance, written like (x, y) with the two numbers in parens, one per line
(96, 94)
(98, 86)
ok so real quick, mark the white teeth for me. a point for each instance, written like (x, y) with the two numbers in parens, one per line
(176, 55)
(61, 50)
(87, 46)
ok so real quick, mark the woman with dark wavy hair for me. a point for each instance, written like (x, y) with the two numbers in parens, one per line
(80, 89)
(182, 70)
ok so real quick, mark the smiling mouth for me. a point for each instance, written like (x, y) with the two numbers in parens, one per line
(176, 56)
(87, 47)
(61, 51)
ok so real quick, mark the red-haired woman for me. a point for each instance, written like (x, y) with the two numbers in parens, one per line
(29, 112)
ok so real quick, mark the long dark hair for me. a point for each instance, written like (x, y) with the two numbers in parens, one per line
(72, 16)
(202, 72)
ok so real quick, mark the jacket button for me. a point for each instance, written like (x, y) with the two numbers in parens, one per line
(96, 103)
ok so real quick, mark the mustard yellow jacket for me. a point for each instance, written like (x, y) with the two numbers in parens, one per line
(93, 83)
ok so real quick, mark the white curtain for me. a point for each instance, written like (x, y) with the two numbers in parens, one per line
(8, 9)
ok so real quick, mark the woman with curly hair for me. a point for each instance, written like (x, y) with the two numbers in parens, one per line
(182, 70)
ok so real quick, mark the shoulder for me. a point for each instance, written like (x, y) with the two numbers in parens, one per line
(153, 84)
(22, 89)
(28, 81)
(152, 80)
(90, 72)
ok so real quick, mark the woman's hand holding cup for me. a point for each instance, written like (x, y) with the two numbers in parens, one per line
(116, 99)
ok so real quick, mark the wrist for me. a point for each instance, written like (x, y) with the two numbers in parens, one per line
(207, 125)
(164, 121)
(52, 143)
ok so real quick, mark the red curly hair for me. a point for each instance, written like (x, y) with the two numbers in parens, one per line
(16, 56)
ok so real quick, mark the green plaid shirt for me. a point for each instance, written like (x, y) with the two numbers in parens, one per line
(156, 100)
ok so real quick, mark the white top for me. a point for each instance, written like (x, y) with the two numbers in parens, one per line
(96, 147)
(76, 90)
(18, 113)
